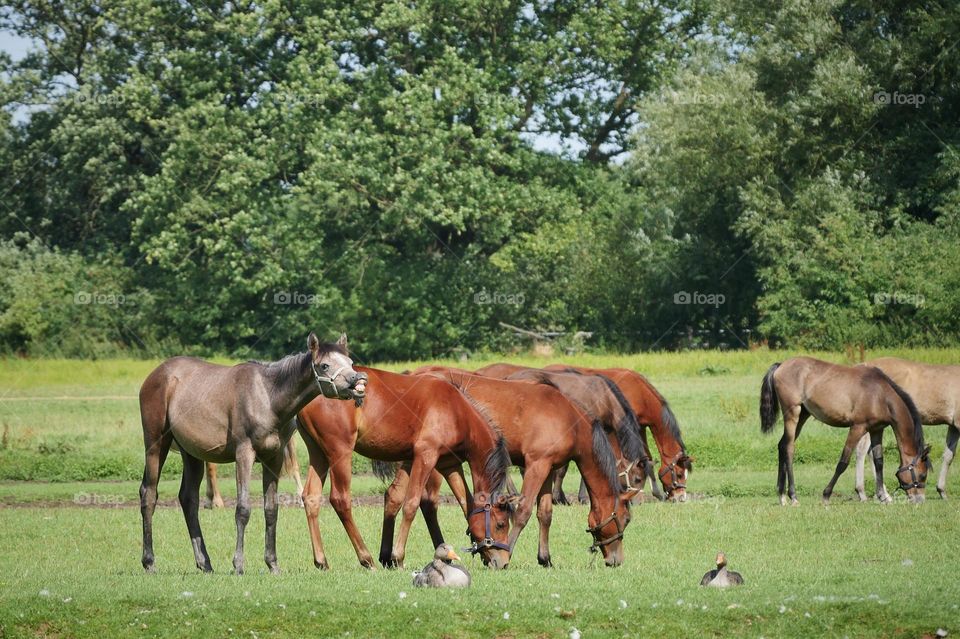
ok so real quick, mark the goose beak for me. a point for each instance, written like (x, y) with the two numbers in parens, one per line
(721, 560)
(452, 555)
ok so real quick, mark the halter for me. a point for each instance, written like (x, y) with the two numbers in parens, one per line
(326, 385)
(914, 481)
(598, 543)
(488, 540)
(624, 476)
(671, 469)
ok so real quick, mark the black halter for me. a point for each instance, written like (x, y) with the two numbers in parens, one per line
(671, 469)
(914, 482)
(488, 540)
(599, 542)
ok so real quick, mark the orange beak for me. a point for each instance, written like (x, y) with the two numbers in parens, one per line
(452, 555)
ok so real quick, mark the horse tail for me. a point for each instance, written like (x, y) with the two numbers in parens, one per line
(911, 407)
(603, 455)
(769, 404)
(383, 470)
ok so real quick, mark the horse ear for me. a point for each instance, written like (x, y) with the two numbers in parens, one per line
(342, 341)
(313, 344)
(926, 451)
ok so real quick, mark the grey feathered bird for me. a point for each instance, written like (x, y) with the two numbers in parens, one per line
(721, 577)
(441, 572)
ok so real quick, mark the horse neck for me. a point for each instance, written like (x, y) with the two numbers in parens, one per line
(667, 444)
(481, 441)
(288, 396)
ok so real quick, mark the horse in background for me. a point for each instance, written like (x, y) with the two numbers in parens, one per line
(860, 398)
(935, 389)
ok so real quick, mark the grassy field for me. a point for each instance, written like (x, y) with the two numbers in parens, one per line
(70, 528)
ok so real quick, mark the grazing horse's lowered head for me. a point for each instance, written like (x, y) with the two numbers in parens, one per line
(333, 370)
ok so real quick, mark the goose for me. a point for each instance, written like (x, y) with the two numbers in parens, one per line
(441, 573)
(721, 577)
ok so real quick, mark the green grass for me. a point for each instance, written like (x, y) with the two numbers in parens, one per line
(69, 555)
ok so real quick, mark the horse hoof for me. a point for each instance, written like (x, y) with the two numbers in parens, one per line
(150, 569)
(862, 497)
(942, 492)
(368, 564)
(321, 565)
(274, 569)
(794, 502)
(545, 561)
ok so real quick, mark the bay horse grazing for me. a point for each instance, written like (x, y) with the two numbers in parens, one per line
(291, 468)
(935, 389)
(543, 431)
(241, 413)
(600, 399)
(860, 398)
(424, 420)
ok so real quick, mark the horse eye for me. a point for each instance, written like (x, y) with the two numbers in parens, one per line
(324, 367)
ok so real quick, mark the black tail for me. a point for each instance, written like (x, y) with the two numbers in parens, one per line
(769, 404)
(603, 455)
(383, 470)
(914, 413)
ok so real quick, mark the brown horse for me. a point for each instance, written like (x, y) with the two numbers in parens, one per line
(424, 420)
(544, 430)
(860, 398)
(935, 389)
(652, 411)
(291, 468)
(242, 413)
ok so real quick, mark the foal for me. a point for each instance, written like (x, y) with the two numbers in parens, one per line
(242, 413)
(860, 398)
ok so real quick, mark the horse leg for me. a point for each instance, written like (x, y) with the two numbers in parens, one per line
(429, 503)
(214, 499)
(863, 447)
(953, 435)
(392, 501)
(291, 466)
(583, 497)
(272, 467)
(312, 494)
(856, 432)
(458, 486)
(423, 463)
(649, 471)
(157, 439)
(876, 446)
(793, 422)
(536, 475)
(190, 504)
(545, 517)
(245, 459)
(560, 497)
(341, 472)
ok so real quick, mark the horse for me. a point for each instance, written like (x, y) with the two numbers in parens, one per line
(291, 468)
(423, 420)
(935, 389)
(860, 398)
(241, 413)
(543, 430)
(652, 411)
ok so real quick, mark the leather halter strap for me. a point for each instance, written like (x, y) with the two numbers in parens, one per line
(599, 542)
(326, 383)
(914, 482)
(488, 541)
(671, 469)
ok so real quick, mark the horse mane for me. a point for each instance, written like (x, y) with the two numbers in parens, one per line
(914, 413)
(603, 455)
(628, 430)
(666, 414)
(497, 464)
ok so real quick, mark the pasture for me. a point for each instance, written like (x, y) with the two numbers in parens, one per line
(71, 457)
